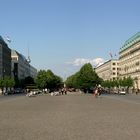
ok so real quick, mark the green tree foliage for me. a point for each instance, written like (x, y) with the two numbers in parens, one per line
(41, 79)
(116, 83)
(9, 82)
(122, 83)
(129, 82)
(125, 82)
(72, 81)
(47, 79)
(85, 79)
(58, 82)
(2, 84)
(53, 81)
(50, 79)
(107, 84)
(6, 83)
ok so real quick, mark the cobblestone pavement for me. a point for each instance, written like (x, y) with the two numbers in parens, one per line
(69, 117)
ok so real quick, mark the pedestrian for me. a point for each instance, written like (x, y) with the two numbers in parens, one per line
(99, 91)
(62, 91)
(65, 91)
(96, 92)
(136, 91)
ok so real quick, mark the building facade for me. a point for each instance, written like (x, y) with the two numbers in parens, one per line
(33, 71)
(5, 59)
(21, 67)
(129, 59)
(108, 70)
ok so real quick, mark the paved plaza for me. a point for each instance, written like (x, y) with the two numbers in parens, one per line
(70, 117)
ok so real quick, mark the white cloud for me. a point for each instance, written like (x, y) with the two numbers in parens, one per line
(81, 61)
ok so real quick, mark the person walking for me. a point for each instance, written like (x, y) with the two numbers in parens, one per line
(136, 91)
(96, 92)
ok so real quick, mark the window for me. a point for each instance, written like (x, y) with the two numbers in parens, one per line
(14, 58)
(114, 68)
(113, 63)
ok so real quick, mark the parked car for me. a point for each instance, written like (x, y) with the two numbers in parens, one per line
(36, 91)
(122, 92)
(9, 92)
(18, 90)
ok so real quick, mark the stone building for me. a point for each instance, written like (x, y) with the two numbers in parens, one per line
(5, 59)
(129, 59)
(21, 67)
(108, 70)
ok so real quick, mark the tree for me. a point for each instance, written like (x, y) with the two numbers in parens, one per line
(87, 77)
(47, 79)
(50, 79)
(69, 81)
(6, 83)
(53, 81)
(1, 84)
(72, 81)
(127, 83)
(107, 84)
(11, 83)
(41, 79)
(58, 82)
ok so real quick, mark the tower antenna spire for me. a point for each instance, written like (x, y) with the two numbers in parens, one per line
(28, 59)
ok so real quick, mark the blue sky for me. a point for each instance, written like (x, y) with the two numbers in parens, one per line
(64, 34)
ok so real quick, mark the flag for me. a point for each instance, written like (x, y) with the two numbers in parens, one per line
(110, 54)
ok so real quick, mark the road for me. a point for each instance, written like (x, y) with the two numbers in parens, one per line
(5, 98)
(130, 98)
(70, 117)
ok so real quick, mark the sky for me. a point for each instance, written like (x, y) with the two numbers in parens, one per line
(62, 35)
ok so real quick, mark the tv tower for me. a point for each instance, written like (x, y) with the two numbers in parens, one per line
(28, 58)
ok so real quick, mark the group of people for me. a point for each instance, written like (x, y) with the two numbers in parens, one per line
(62, 91)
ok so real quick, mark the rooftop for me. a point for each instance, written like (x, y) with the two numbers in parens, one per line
(108, 61)
(2, 40)
(15, 53)
(131, 41)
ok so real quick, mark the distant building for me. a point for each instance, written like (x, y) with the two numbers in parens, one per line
(5, 59)
(21, 67)
(108, 70)
(129, 59)
(33, 71)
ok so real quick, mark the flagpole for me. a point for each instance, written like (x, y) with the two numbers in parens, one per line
(111, 55)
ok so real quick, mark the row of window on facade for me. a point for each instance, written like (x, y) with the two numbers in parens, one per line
(13, 63)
